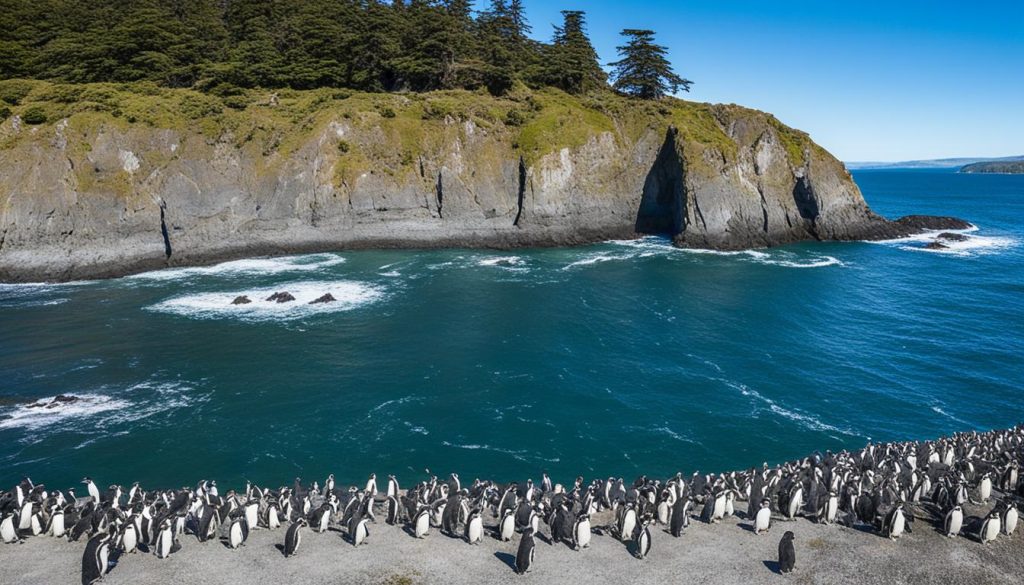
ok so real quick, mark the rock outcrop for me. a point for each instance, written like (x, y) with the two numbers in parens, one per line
(96, 195)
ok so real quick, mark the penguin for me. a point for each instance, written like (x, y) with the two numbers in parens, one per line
(990, 528)
(321, 519)
(166, 543)
(642, 537)
(207, 528)
(273, 516)
(474, 527)
(627, 523)
(94, 492)
(1009, 519)
(953, 522)
(524, 556)
(57, 527)
(129, 538)
(95, 558)
(293, 537)
(358, 530)
(25, 515)
(371, 486)
(252, 511)
(680, 516)
(895, 523)
(393, 490)
(394, 509)
(422, 522)
(507, 526)
(664, 508)
(9, 528)
(985, 488)
(328, 485)
(796, 501)
(581, 531)
(787, 553)
(763, 519)
(238, 532)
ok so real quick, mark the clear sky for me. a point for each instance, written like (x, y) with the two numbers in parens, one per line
(869, 80)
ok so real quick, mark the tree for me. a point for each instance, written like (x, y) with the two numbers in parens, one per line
(573, 65)
(643, 71)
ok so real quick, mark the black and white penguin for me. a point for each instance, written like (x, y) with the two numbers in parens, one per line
(358, 529)
(238, 532)
(507, 526)
(990, 528)
(293, 537)
(953, 522)
(207, 528)
(394, 510)
(252, 513)
(393, 490)
(1009, 518)
(328, 485)
(320, 519)
(895, 523)
(272, 516)
(129, 538)
(627, 522)
(787, 553)
(524, 556)
(421, 522)
(581, 531)
(763, 519)
(95, 558)
(94, 492)
(642, 537)
(57, 528)
(474, 531)
(9, 528)
(680, 516)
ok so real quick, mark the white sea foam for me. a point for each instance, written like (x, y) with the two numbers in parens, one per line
(805, 420)
(286, 264)
(32, 418)
(974, 245)
(510, 263)
(816, 262)
(348, 295)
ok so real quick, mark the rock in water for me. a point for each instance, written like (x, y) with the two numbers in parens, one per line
(242, 300)
(327, 298)
(953, 237)
(57, 401)
(281, 297)
(936, 246)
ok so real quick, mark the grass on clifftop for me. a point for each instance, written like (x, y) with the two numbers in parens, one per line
(534, 122)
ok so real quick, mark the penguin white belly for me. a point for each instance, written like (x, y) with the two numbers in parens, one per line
(235, 535)
(37, 525)
(57, 526)
(535, 523)
(956, 523)
(718, 512)
(643, 545)
(899, 523)
(990, 530)
(7, 530)
(163, 544)
(361, 533)
(763, 520)
(583, 534)
(795, 503)
(422, 525)
(832, 510)
(1010, 525)
(437, 515)
(985, 489)
(129, 540)
(273, 521)
(104, 558)
(476, 530)
(508, 527)
(25, 518)
(628, 525)
(663, 512)
(251, 515)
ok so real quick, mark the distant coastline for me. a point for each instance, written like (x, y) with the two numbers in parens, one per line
(941, 163)
(995, 168)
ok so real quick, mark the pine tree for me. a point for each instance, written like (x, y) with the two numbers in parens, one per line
(573, 64)
(644, 71)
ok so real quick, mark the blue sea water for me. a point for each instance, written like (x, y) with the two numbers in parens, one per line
(620, 358)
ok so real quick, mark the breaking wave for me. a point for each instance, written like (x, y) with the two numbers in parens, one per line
(348, 295)
(286, 264)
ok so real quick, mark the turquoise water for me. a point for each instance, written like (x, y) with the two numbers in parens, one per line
(615, 359)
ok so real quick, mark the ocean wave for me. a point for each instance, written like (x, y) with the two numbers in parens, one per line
(284, 264)
(34, 416)
(511, 263)
(348, 295)
(809, 263)
(974, 245)
(807, 421)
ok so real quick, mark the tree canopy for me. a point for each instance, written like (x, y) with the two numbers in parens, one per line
(369, 45)
(644, 71)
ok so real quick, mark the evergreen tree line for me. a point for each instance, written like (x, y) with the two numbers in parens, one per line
(370, 45)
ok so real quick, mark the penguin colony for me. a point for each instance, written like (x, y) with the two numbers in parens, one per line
(884, 487)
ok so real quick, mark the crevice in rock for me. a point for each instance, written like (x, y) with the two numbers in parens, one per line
(663, 204)
(163, 230)
(522, 191)
(764, 209)
(440, 195)
(807, 203)
(700, 214)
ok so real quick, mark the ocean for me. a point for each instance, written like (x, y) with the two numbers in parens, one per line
(616, 359)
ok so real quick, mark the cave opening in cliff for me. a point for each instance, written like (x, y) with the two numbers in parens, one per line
(663, 204)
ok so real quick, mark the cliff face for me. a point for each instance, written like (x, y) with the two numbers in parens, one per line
(95, 193)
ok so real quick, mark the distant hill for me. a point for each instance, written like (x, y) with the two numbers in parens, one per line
(1007, 167)
(940, 163)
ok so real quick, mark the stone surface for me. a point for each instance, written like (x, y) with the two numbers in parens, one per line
(109, 199)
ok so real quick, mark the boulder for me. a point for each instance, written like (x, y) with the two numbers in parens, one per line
(936, 246)
(953, 237)
(242, 300)
(281, 297)
(327, 298)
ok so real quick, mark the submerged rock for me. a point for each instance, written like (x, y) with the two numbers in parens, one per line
(56, 401)
(242, 300)
(936, 246)
(281, 297)
(953, 237)
(327, 298)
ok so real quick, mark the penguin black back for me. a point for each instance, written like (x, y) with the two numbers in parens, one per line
(787, 553)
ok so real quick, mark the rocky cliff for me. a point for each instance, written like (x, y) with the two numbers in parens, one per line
(127, 178)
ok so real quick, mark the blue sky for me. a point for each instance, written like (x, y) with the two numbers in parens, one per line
(869, 80)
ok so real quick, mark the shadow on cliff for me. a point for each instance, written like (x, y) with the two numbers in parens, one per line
(663, 205)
